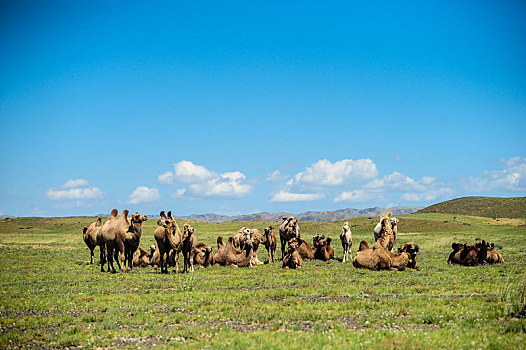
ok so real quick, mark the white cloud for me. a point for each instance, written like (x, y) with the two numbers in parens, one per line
(202, 182)
(179, 193)
(283, 196)
(512, 177)
(74, 190)
(276, 176)
(143, 194)
(399, 182)
(325, 173)
(352, 196)
(429, 195)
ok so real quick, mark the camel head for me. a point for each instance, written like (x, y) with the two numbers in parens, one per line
(394, 222)
(409, 248)
(293, 227)
(457, 246)
(152, 249)
(188, 231)
(138, 218)
(318, 240)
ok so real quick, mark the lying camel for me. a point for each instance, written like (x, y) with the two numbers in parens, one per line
(113, 234)
(346, 238)
(93, 238)
(270, 242)
(288, 230)
(202, 255)
(168, 237)
(468, 254)
(229, 255)
(379, 258)
(141, 258)
(189, 242)
(292, 258)
(133, 237)
(324, 250)
(304, 249)
(493, 256)
(411, 249)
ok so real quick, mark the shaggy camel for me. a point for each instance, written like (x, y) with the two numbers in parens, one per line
(240, 236)
(493, 256)
(202, 255)
(189, 242)
(133, 237)
(468, 254)
(378, 229)
(270, 242)
(379, 258)
(93, 238)
(141, 258)
(168, 238)
(324, 250)
(304, 249)
(229, 255)
(411, 249)
(113, 234)
(245, 233)
(346, 238)
(292, 258)
(288, 230)
(387, 237)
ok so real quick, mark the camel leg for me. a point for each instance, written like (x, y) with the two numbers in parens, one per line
(176, 262)
(109, 255)
(92, 260)
(282, 247)
(120, 257)
(102, 258)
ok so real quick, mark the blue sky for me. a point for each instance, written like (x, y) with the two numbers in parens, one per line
(240, 107)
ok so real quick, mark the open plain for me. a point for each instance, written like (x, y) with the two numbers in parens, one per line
(51, 297)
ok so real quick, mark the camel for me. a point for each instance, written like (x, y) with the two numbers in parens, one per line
(493, 256)
(387, 238)
(379, 258)
(288, 229)
(324, 250)
(241, 236)
(168, 238)
(257, 238)
(113, 234)
(411, 249)
(92, 238)
(378, 228)
(270, 241)
(468, 254)
(229, 255)
(202, 255)
(346, 238)
(292, 258)
(133, 237)
(155, 256)
(304, 249)
(141, 258)
(189, 242)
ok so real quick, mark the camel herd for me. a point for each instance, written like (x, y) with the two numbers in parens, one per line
(119, 239)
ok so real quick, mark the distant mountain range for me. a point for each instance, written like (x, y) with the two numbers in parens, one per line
(308, 216)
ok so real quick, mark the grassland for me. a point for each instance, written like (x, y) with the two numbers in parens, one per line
(51, 297)
(490, 207)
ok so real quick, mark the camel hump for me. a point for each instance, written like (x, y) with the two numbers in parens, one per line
(170, 215)
(125, 213)
(99, 222)
(162, 214)
(84, 229)
(114, 213)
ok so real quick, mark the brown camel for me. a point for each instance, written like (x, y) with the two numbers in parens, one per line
(379, 258)
(240, 236)
(133, 237)
(494, 256)
(324, 250)
(93, 238)
(411, 249)
(229, 255)
(468, 254)
(189, 242)
(387, 237)
(288, 230)
(292, 258)
(168, 237)
(304, 249)
(202, 255)
(141, 258)
(270, 242)
(113, 234)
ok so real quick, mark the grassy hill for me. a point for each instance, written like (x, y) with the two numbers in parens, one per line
(491, 207)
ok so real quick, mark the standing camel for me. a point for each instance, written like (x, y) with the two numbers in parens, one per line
(168, 237)
(113, 234)
(288, 230)
(346, 238)
(133, 237)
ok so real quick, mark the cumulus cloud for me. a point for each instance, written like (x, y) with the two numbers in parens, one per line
(352, 196)
(143, 194)
(283, 196)
(75, 189)
(276, 176)
(512, 177)
(399, 182)
(326, 173)
(202, 182)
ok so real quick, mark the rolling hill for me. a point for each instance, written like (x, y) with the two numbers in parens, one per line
(491, 207)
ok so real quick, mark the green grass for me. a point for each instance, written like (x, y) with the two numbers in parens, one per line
(490, 207)
(51, 297)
